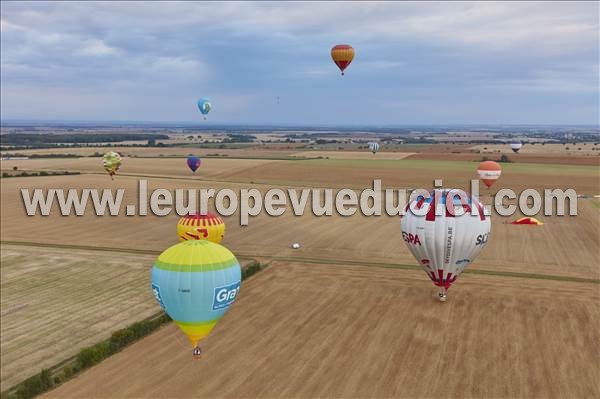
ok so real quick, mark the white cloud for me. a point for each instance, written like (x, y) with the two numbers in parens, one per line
(95, 47)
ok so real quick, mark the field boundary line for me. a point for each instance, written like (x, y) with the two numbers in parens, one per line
(253, 183)
(69, 368)
(497, 273)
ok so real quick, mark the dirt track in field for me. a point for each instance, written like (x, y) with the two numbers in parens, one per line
(320, 331)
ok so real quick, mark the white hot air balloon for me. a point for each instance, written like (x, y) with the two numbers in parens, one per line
(374, 147)
(445, 231)
(516, 145)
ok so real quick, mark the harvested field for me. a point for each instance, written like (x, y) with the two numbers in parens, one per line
(590, 160)
(405, 173)
(564, 246)
(354, 154)
(554, 150)
(211, 168)
(55, 302)
(335, 273)
(252, 151)
(300, 331)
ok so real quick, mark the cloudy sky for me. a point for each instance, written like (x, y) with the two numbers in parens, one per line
(415, 63)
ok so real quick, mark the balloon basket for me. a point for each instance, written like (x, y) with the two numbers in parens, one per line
(442, 296)
(197, 353)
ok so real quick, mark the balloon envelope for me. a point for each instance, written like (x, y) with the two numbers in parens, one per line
(204, 105)
(516, 145)
(193, 163)
(200, 226)
(445, 238)
(195, 282)
(111, 162)
(489, 172)
(374, 147)
(342, 55)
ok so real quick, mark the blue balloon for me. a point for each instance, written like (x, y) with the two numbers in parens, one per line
(204, 105)
(193, 163)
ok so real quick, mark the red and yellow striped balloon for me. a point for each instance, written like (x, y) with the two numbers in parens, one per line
(201, 227)
(342, 55)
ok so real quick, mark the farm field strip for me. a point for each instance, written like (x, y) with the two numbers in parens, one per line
(320, 261)
(55, 302)
(564, 246)
(371, 332)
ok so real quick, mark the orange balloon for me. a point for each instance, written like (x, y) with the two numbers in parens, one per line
(489, 172)
(342, 55)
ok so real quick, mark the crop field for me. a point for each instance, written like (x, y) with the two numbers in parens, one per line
(563, 246)
(546, 149)
(301, 330)
(358, 264)
(54, 302)
(245, 151)
(213, 168)
(362, 154)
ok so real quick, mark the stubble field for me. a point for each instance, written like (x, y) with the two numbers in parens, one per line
(555, 295)
(322, 331)
(54, 302)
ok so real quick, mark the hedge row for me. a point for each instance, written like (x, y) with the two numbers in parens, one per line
(250, 269)
(87, 357)
(42, 173)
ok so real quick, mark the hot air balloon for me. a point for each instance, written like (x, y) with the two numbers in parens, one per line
(204, 106)
(342, 55)
(489, 172)
(516, 145)
(193, 163)
(200, 226)
(195, 282)
(111, 162)
(445, 232)
(374, 147)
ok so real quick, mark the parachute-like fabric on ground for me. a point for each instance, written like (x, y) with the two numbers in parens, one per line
(445, 240)
(489, 172)
(200, 226)
(342, 55)
(195, 282)
(528, 221)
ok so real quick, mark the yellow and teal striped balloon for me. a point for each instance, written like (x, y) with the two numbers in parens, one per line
(195, 282)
